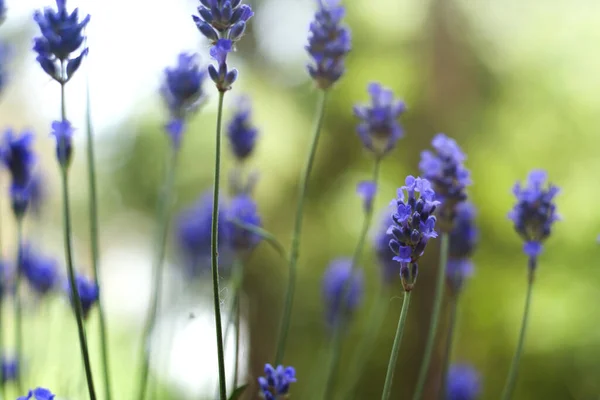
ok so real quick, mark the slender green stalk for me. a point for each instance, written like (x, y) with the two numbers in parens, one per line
(237, 340)
(334, 361)
(73, 284)
(435, 317)
(375, 320)
(2, 383)
(18, 304)
(449, 342)
(514, 367)
(265, 235)
(93, 210)
(163, 216)
(337, 337)
(214, 245)
(295, 247)
(389, 376)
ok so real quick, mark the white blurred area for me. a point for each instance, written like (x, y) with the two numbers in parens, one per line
(131, 42)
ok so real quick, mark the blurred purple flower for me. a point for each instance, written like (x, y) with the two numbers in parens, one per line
(241, 132)
(367, 191)
(462, 383)
(336, 285)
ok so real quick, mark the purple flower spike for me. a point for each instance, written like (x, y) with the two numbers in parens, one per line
(463, 239)
(221, 75)
(222, 19)
(275, 385)
(336, 285)
(241, 132)
(16, 153)
(367, 191)
(462, 383)
(182, 86)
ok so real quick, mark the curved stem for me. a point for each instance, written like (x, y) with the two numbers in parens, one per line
(73, 284)
(93, 213)
(215, 253)
(295, 247)
(389, 377)
(375, 320)
(337, 338)
(435, 317)
(18, 305)
(449, 342)
(264, 234)
(163, 216)
(514, 367)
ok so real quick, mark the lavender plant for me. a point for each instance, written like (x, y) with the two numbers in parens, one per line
(463, 383)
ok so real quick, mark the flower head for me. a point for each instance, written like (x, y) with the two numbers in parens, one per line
(275, 385)
(328, 43)
(367, 191)
(2, 11)
(61, 36)
(182, 86)
(18, 157)
(462, 383)
(535, 212)
(40, 271)
(445, 169)
(222, 19)
(38, 192)
(38, 394)
(241, 132)
(385, 256)
(413, 226)
(463, 239)
(222, 77)
(243, 209)
(88, 293)
(10, 369)
(342, 290)
(63, 133)
(379, 129)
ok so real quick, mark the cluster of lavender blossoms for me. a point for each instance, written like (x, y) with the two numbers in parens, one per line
(275, 385)
(342, 291)
(463, 383)
(463, 239)
(38, 394)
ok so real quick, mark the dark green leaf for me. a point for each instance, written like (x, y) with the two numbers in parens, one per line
(237, 393)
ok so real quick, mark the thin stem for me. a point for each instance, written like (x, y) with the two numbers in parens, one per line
(265, 235)
(93, 212)
(435, 317)
(375, 320)
(2, 380)
(514, 367)
(163, 216)
(215, 253)
(73, 284)
(237, 340)
(449, 342)
(295, 247)
(337, 338)
(389, 376)
(18, 304)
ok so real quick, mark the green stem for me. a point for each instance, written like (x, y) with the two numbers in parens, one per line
(73, 284)
(375, 320)
(215, 253)
(18, 304)
(265, 235)
(514, 367)
(295, 247)
(93, 210)
(2, 385)
(389, 376)
(237, 340)
(449, 342)
(435, 317)
(337, 338)
(163, 216)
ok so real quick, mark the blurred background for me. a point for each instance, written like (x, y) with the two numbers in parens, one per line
(515, 83)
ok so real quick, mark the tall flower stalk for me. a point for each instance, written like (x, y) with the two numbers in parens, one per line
(533, 217)
(444, 168)
(413, 226)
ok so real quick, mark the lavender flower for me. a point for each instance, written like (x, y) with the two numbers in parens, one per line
(379, 129)
(222, 19)
(445, 169)
(10, 369)
(463, 239)
(328, 44)
(367, 191)
(462, 383)
(38, 394)
(223, 78)
(242, 208)
(41, 272)
(413, 226)
(38, 192)
(275, 385)
(182, 89)
(63, 133)
(61, 35)
(17, 155)
(535, 212)
(336, 285)
(88, 293)
(385, 256)
(241, 133)
(193, 232)
(2, 11)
